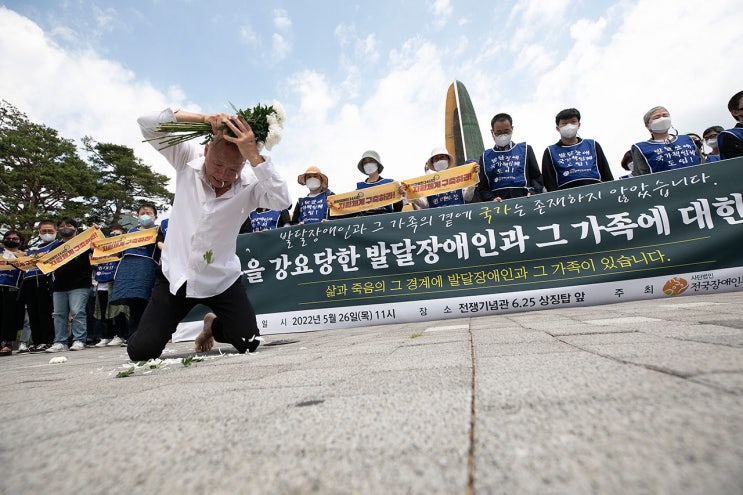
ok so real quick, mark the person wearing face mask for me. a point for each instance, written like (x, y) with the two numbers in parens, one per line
(710, 139)
(439, 160)
(135, 273)
(371, 165)
(664, 150)
(730, 141)
(12, 311)
(36, 290)
(111, 318)
(627, 165)
(71, 285)
(312, 208)
(573, 161)
(508, 169)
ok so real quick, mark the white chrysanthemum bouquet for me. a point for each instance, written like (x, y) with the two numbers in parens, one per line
(265, 121)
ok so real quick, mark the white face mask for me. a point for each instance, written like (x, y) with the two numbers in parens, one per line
(502, 140)
(370, 168)
(569, 131)
(440, 165)
(313, 183)
(48, 237)
(660, 125)
(631, 166)
(712, 142)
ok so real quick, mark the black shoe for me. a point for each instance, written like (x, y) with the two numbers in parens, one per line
(254, 343)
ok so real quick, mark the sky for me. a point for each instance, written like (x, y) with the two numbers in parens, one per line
(371, 75)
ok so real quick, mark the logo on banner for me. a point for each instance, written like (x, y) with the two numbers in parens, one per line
(675, 286)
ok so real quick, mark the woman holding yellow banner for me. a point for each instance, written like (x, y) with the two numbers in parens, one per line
(439, 189)
(371, 165)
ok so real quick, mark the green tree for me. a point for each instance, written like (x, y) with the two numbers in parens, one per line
(124, 181)
(41, 173)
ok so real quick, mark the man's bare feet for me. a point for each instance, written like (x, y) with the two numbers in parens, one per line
(205, 340)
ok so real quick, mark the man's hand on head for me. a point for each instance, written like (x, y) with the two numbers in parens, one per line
(243, 135)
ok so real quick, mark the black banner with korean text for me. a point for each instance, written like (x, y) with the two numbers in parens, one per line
(658, 235)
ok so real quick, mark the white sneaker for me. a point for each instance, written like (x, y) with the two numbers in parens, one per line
(77, 346)
(103, 342)
(57, 347)
(116, 342)
(22, 347)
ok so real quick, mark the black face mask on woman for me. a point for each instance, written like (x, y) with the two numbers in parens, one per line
(11, 243)
(67, 232)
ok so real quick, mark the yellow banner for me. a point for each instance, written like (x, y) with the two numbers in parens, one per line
(68, 251)
(441, 182)
(364, 199)
(25, 263)
(119, 243)
(7, 263)
(105, 259)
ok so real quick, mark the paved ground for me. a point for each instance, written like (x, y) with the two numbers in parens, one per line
(641, 397)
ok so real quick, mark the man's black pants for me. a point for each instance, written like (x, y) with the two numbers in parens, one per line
(235, 323)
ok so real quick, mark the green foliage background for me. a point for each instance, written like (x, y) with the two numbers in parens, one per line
(42, 176)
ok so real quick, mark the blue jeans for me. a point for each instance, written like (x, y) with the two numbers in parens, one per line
(71, 302)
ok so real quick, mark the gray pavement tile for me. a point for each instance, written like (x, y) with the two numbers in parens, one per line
(563, 404)
(683, 358)
(430, 379)
(641, 445)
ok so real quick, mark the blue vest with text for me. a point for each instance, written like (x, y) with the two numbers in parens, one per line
(105, 272)
(575, 162)
(264, 220)
(381, 209)
(455, 197)
(505, 169)
(682, 152)
(10, 278)
(314, 208)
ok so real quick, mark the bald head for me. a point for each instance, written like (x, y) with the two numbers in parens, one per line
(225, 151)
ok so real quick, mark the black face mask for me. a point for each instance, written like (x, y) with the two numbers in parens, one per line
(11, 244)
(67, 232)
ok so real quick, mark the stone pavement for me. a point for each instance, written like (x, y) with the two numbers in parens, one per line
(639, 397)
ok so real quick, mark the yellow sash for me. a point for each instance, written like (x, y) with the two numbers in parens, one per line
(364, 199)
(68, 251)
(441, 182)
(119, 243)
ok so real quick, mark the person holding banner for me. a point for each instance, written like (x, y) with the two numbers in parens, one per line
(508, 169)
(371, 165)
(664, 150)
(438, 161)
(12, 312)
(199, 260)
(730, 141)
(135, 273)
(36, 290)
(111, 317)
(71, 284)
(573, 161)
(312, 208)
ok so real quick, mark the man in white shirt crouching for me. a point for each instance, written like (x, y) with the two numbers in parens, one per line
(214, 195)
